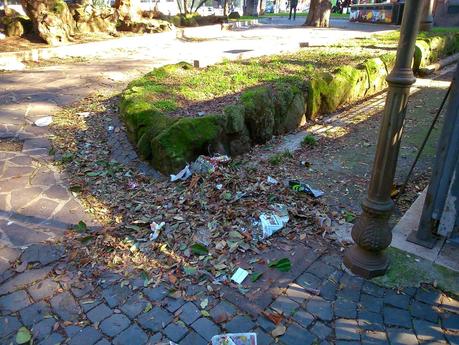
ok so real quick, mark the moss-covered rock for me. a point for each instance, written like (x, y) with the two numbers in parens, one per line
(432, 48)
(290, 108)
(185, 140)
(377, 74)
(259, 113)
(237, 134)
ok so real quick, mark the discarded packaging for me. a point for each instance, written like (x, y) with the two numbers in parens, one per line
(202, 165)
(274, 221)
(155, 228)
(235, 339)
(44, 121)
(305, 188)
(239, 276)
(272, 180)
(183, 175)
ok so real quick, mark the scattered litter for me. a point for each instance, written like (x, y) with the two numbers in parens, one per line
(183, 175)
(219, 186)
(202, 166)
(84, 114)
(274, 221)
(155, 228)
(235, 339)
(272, 180)
(305, 188)
(111, 128)
(201, 113)
(44, 121)
(239, 276)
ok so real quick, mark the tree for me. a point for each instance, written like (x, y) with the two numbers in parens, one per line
(51, 20)
(251, 8)
(128, 10)
(319, 14)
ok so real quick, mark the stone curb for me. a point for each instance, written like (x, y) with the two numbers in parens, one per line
(439, 65)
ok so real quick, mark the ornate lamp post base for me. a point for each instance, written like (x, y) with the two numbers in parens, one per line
(365, 263)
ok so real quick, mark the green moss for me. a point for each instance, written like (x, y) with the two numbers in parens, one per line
(289, 107)
(235, 118)
(184, 140)
(259, 113)
(377, 73)
(408, 270)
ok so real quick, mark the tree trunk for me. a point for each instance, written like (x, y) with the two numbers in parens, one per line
(128, 10)
(251, 8)
(262, 7)
(51, 20)
(319, 14)
(225, 8)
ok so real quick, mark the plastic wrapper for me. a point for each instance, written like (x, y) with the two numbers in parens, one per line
(235, 339)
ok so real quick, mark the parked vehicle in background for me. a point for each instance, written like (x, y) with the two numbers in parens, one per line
(269, 9)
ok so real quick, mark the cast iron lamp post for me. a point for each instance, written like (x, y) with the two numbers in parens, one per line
(371, 233)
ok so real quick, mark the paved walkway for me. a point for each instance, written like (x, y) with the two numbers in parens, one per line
(42, 291)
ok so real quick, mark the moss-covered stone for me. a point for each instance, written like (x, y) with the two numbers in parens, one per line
(290, 108)
(235, 118)
(377, 74)
(259, 113)
(185, 140)
(432, 48)
(328, 91)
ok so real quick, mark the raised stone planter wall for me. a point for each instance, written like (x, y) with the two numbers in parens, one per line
(262, 111)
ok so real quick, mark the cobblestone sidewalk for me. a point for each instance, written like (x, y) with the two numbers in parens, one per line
(319, 302)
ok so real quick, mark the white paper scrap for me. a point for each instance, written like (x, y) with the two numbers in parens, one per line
(239, 276)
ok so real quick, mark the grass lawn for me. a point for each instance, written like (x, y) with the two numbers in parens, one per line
(172, 88)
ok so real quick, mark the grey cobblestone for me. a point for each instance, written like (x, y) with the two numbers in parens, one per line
(43, 289)
(223, 310)
(175, 331)
(424, 311)
(428, 296)
(155, 320)
(13, 302)
(114, 324)
(155, 294)
(450, 322)
(53, 339)
(65, 306)
(321, 309)
(189, 313)
(43, 329)
(284, 305)
(397, 317)
(297, 293)
(303, 318)
(397, 300)
(35, 313)
(205, 328)
(345, 309)
(133, 335)
(193, 339)
(399, 336)
(173, 304)
(263, 338)
(8, 325)
(346, 329)
(370, 321)
(116, 295)
(99, 313)
(321, 330)
(134, 306)
(427, 331)
(87, 336)
(372, 289)
(297, 335)
(371, 303)
(239, 324)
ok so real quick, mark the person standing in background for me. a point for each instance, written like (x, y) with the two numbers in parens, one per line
(293, 5)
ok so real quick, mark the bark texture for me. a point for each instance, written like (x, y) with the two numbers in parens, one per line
(251, 8)
(319, 14)
(51, 20)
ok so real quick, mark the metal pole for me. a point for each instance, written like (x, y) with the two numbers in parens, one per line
(427, 17)
(371, 232)
(446, 158)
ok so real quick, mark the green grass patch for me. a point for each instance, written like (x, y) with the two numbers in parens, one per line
(279, 158)
(309, 140)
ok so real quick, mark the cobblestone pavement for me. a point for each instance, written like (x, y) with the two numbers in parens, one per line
(42, 291)
(319, 302)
